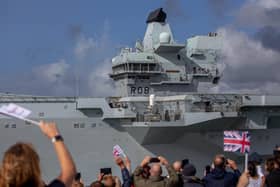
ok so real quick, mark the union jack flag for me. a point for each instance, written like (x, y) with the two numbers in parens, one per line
(237, 141)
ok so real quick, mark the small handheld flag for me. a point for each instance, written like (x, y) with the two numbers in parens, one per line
(117, 151)
(237, 141)
(18, 112)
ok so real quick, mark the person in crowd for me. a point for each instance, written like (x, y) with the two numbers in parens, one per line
(155, 179)
(78, 181)
(77, 184)
(127, 181)
(108, 180)
(189, 178)
(177, 166)
(255, 179)
(207, 170)
(273, 178)
(97, 184)
(111, 181)
(269, 165)
(256, 159)
(219, 177)
(20, 166)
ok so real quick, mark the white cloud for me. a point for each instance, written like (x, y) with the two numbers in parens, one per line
(84, 46)
(250, 67)
(268, 4)
(259, 13)
(52, 72)
(99, 82)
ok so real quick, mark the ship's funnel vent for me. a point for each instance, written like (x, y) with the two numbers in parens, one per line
(157, 15)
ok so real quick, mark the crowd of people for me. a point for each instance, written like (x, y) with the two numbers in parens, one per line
(20, 168)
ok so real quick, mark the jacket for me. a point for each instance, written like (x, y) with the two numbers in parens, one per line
(126, 178)
(192, 181)
(273, 179)
(221, 178)
(159, 181)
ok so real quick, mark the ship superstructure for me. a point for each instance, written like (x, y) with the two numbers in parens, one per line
(157, 111)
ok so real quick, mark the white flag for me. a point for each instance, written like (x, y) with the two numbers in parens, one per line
(16, 111)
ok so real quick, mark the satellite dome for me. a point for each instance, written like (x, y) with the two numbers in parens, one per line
(164, 38)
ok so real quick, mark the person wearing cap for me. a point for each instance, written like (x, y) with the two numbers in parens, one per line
(189, 178)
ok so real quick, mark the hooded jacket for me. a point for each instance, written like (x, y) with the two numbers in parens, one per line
(221, 178)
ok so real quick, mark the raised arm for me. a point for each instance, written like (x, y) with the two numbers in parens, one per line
(67, 165)
(173, 177)
(125, 173)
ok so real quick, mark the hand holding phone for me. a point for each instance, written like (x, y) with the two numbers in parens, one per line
(106, 171)
(78, 177)
(154, 160)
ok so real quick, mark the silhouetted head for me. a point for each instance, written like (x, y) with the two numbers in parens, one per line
(269, 164)
(177, 166)
(219, 161)
(20, 166)
(189, 170)
(252, 169)
(155, 170)
(108, 181)
(146, 172)
(97, 184)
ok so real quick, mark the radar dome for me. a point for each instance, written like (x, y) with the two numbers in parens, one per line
(164, 38)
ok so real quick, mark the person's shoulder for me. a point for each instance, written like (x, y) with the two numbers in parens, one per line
(56, 183)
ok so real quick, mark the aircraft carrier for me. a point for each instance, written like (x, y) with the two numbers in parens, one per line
(158, 111)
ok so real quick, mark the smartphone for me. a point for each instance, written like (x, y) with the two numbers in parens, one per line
(78, 177)
(155, 159)
(106, 171)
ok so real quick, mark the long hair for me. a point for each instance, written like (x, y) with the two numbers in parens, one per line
(252, 169)
(20, 167)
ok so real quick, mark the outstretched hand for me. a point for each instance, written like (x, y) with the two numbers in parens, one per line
(49, 129)
(145, 161)
(163, 160)
(232, 164)
(119, 162)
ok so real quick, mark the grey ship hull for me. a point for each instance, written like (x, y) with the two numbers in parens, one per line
(174, 122)
(91, 128)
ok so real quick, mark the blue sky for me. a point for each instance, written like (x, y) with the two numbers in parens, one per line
(35, 34)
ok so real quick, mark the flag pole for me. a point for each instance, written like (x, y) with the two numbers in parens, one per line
(246, 162)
